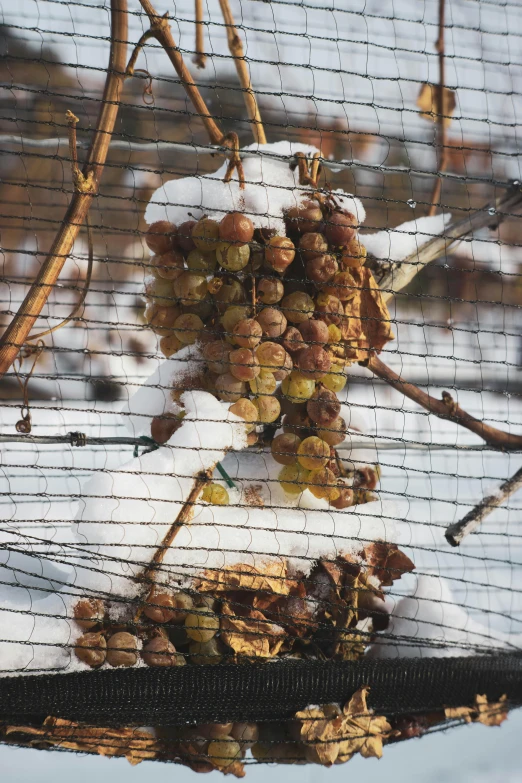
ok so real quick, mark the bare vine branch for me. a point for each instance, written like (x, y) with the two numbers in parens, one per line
(446, 408)
(456, 532)
(200, 57)
(86, 186)
(441, 122)
(235, 46)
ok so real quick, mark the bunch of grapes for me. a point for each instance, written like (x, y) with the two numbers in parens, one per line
(271, 314)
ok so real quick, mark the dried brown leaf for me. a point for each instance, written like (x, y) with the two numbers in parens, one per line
(428, 102)
(271, 577)
(363, 732)
(487, 713)
(367, 325)
(251, 635)
(386, 562)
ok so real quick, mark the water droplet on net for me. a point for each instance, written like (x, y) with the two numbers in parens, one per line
(492, 211)
(516, 182)
(411, 203)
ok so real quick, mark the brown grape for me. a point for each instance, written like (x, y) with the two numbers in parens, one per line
(245, 409)
(324, 407)
(170, 345)
(169, 265)
(312, 245)
(236, 228)
(163, 320)
(321, 269)
(160, 652)
(162, 428)
(313, 453)
(314, 332)
(323, 484)
(329, 309)
(229, 292)
(216, 355)
(232, 316)
(268, 408)
(283, 372)
(313, 362)
(205, 235)
(272, 321)
(293, 340)
(284, 448)
(91, 648)
(298, 307)
(335, 433)
(306, 217)
(190, 288)
(160, 236)
(342, 285)
(163, 606)
(233, 258)
(243, 364)
(201, 263)
(270, 290)
(297, 423)
(184, 239)
(215, 730)
(340, 228)
(257, 257)
(228, 388)
(122, 649)
(89, 612)
(160, 291)
(270, 356)
(247, 333)
(187, 328)
(245, 733)
(346, 497)
(279, 253)
(223, 752)
(354, 254)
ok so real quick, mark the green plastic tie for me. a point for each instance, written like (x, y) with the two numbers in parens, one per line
(225, 475)
(145, 441)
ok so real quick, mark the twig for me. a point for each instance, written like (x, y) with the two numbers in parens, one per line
(183, 517)
(403, 272)
(86, 187)
(235, 46)
(456, 532)
(160, 30)
(441, 124)
(446, 408)
(200, 57)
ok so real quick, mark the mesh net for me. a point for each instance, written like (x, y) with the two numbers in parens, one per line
(260, 402)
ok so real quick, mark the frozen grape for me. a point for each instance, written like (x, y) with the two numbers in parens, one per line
(321, 269)
(202, 263)
(215, 730)
(169, 265)
(205, 235)
(293, 479)
(201, 626)
(228, 388)
(342, 285)
(205, 652)
(340, 228)
(283, 372)
(284, 448)
(160, 236)
(216, 495)
(243, 364)
(245, 733)
(314, 332)
(232, 316)
(312, 245)
(313, 453)
(160, 291)
(270, 356)
(335, 380)
(345, 499)
(247, 333)
(354, 255)
(335, 433)
(223, 752)
(91, 648)
(323, 407)
(298, 423)
(122, 649)
(160, 652)
(265, 383)
(245, 409)
(293, 340)
(272, 321)
(190, 288)
(160, 606)
(298, 307)
(184, 238)
(268, 408)
(233, 258)
(170, 345)
(279, 253)
(297, 388)
(216, 355)
(236, 228)
(163, 320)
(229, 292)
(89, 612)
(162, 428)
(329, 309)
(313, 362)
(322, 484)
(270, 290)
(306, 217)
(187, 328)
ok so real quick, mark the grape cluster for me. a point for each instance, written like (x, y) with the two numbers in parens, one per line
(271, 314)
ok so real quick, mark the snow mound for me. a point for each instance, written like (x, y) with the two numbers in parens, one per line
(272, 187)
(398, 243)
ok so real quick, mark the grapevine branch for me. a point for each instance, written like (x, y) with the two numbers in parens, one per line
(160, 30)
(441, 123)
(446, 408)
(200, 57)
(235, 46)
(85, 188)
(401, 273)
(456, 532)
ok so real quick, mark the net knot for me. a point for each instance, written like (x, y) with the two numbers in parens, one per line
(77, 439)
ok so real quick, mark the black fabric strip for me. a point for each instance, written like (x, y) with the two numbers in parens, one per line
(192, 694)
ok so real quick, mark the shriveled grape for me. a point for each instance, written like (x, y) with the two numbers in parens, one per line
(245, 409)
(293, 479)
(329, 309)
(233, 258)
(243, 364)
(272, 321)
(284, 448)
(163, 320)
(217, 496)
(305, 217)
(279, 253)
(314, 332)
(340, 228)
(170, 345)
(228, 388)
(160, 236)
(354, 255)
(324, 407)
(205, 235)
(265, 383)
(184, 238)
(223, 752)
(342, 285)
(237, 228)
(313, 362)
(312, 245)
(216, 355)
(321, 269)
(297, 422)
(335, 433)
(201, 263)
(232, 316)
(201, 626)
(169, 265)
(313, 453)
(89, 612)
(270, 356)
(160, 652)
(322, 484)
(298, 307)
(293, 340)
(187, 328)
(270, 290)
(346, 497)
(297, 388)
(268, 408)
(190, 288)
(91, 648)
(122, 649)
(247, 333)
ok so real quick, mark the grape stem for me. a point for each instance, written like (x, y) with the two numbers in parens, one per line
(441, 124)
(446, 408)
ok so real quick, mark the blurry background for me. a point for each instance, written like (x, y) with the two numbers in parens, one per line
(344, 76)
